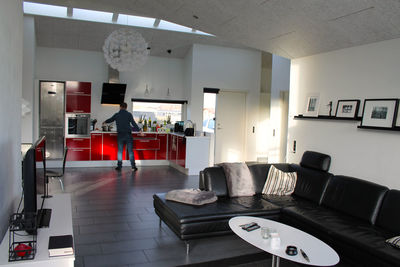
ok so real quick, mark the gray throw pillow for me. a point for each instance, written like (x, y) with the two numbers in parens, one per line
(238, 179)
(191, 196)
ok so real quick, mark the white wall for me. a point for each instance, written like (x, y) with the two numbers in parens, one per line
(65, 64)
(11, 30)
(280, 80)
(227, 69)
(369, 71)
(28, 73)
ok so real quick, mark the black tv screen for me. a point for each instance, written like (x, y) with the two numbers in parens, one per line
(29, 178)
(113, 93)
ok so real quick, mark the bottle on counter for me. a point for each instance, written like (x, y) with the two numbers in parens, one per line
(145, 126)
(149, 125)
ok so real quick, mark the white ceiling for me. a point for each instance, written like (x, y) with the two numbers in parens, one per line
(289, 28)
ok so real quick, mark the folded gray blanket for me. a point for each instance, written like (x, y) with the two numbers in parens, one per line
(191, 196)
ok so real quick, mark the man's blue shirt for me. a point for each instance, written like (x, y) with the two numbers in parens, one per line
(124, 121)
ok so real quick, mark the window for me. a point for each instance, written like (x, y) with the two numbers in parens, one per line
(157, 110)
(209, 101)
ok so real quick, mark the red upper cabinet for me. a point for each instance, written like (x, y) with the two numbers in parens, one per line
(78, 97)
(78, 103)
(78, 88)
(162, 152)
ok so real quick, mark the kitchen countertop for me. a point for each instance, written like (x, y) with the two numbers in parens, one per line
(177, 134)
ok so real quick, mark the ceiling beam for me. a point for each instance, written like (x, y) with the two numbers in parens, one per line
(115, 17)
(70, 12)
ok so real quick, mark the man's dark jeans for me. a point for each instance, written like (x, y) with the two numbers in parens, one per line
(125, 138)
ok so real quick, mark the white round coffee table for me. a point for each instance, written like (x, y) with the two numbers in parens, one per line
(319, 253)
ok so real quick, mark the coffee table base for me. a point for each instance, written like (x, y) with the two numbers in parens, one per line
(275, 261)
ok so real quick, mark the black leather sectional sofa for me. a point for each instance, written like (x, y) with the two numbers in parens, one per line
(354, 216)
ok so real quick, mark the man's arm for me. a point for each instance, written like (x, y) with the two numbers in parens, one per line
(135, 127)
(111, 119)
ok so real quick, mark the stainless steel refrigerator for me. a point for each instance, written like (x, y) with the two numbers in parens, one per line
(51, 117)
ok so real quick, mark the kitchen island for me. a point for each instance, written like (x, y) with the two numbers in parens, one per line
(188, 154)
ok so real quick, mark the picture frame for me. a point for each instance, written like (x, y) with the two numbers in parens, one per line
(397, 124)
(380, 113)
(347, 108)
(312, 105)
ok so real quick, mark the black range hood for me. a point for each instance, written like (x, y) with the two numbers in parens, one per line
(113, 93)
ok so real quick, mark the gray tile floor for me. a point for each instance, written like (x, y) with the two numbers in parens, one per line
(115, 224)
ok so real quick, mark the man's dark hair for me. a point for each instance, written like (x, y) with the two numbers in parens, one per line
(123, 105)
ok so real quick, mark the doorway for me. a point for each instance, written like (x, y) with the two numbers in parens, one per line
(230, 127)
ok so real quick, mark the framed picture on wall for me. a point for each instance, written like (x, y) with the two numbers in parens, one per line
(380, 113)
(397, 124)
(347, 108)
(312, 105)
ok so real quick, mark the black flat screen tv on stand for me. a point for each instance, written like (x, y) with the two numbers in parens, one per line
(32, 215)
(29, 189)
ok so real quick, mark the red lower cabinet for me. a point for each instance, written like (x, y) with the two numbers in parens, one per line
(110, 147)
(96, 146)
(145, 154)
(162, 152)
(77, 154)
(181, 153)
(172, 148)
(78, 149)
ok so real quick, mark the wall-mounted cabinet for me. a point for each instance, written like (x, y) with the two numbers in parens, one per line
(78, 97)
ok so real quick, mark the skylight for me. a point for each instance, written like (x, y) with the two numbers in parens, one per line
(91, 15)
(45, 10)
(106, 17)
(135, 21)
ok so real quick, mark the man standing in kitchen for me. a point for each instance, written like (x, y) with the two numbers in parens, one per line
(125, 126)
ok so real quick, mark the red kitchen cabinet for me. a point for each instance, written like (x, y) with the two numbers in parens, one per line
(78, 103)
(181, 151)
(78, 149)
(146, 144)
(96, 145)
(110, 147)
(145, 154)
(172, 148)
(77, 142)
(74, 88)
(162, 152)
(78, 154)
(39, 148)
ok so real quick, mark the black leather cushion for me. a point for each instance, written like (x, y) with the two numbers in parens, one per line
(316, 160)
(259, 172)
(212, 219)
(355, 197)
(311, 184)
(389, 213)
(215, 180)
(349, 235)
(201, 181)
(287, 201)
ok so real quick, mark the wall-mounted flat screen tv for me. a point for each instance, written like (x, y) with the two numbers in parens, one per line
(113, 93)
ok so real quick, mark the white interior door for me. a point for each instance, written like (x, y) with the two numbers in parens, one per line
(230, 127)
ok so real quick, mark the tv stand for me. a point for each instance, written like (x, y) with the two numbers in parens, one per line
(61, 224)
(43, 218)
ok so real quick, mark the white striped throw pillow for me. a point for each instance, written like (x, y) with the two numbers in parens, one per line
(279, 183)
(394, 241)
